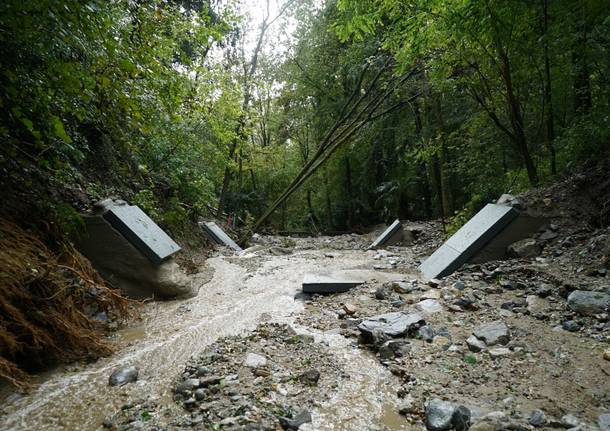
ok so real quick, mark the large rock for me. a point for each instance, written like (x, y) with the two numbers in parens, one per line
(439, 414)
(429, 306)
(474, 344)
(588, 303)
(443, 416)
(330, 282)
(122, 376)
(603, 421)
(254, 360)
(525, 248)
(395, 324)
(218, 236)
(140, 231)
(537, 418)
(493, 333)
(295, 423)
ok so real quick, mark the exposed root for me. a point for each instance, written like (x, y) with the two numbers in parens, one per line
(47, 304)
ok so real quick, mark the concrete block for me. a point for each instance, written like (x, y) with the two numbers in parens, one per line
(124, 266)
(142, 232)
(392, 235)
(522, 227)
(217, 235)
(333, 282)
(467, 241)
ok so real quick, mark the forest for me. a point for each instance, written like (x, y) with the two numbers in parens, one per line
(280, 118)
(369, 110)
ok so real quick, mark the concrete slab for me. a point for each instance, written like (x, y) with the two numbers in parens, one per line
(522, 227)
(467, 241)
(142, 232)
(124, 266)
(342, 281)
(333, 282)
(217, 235)
(392, 235)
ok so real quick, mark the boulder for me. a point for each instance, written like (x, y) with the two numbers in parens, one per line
(122, 376)
(603, 421)
(439, 415)
(525, 248)
(493, 333)
(293, 424)
(588, 303)
(394, 325)
(254, 360)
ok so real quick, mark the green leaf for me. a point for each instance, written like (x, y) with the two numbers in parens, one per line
(59, 131)
(27, 123)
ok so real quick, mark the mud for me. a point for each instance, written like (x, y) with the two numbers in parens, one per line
(543, 366)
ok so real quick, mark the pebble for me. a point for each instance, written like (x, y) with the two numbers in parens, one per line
(310, 377)
(499, 352)
(474, 344)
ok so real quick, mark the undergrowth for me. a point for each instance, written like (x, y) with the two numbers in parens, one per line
(47, 303)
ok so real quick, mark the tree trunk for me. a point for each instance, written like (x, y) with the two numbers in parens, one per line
(549, 126)
(329, 211)
(582, 83)
(350, 193)
(516, 119)
(443, 165)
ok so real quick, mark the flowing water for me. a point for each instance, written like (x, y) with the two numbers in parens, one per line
(239, 296)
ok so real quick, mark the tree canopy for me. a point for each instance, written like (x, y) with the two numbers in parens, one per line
(324, 116)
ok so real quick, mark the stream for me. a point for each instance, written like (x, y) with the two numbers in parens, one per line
(240, 295)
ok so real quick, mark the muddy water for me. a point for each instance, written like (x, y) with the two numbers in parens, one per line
(367, 400)
(235, 300)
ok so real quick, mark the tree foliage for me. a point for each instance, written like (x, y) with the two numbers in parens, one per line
(166, 102)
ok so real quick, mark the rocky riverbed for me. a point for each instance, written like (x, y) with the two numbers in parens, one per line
(518, 344)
